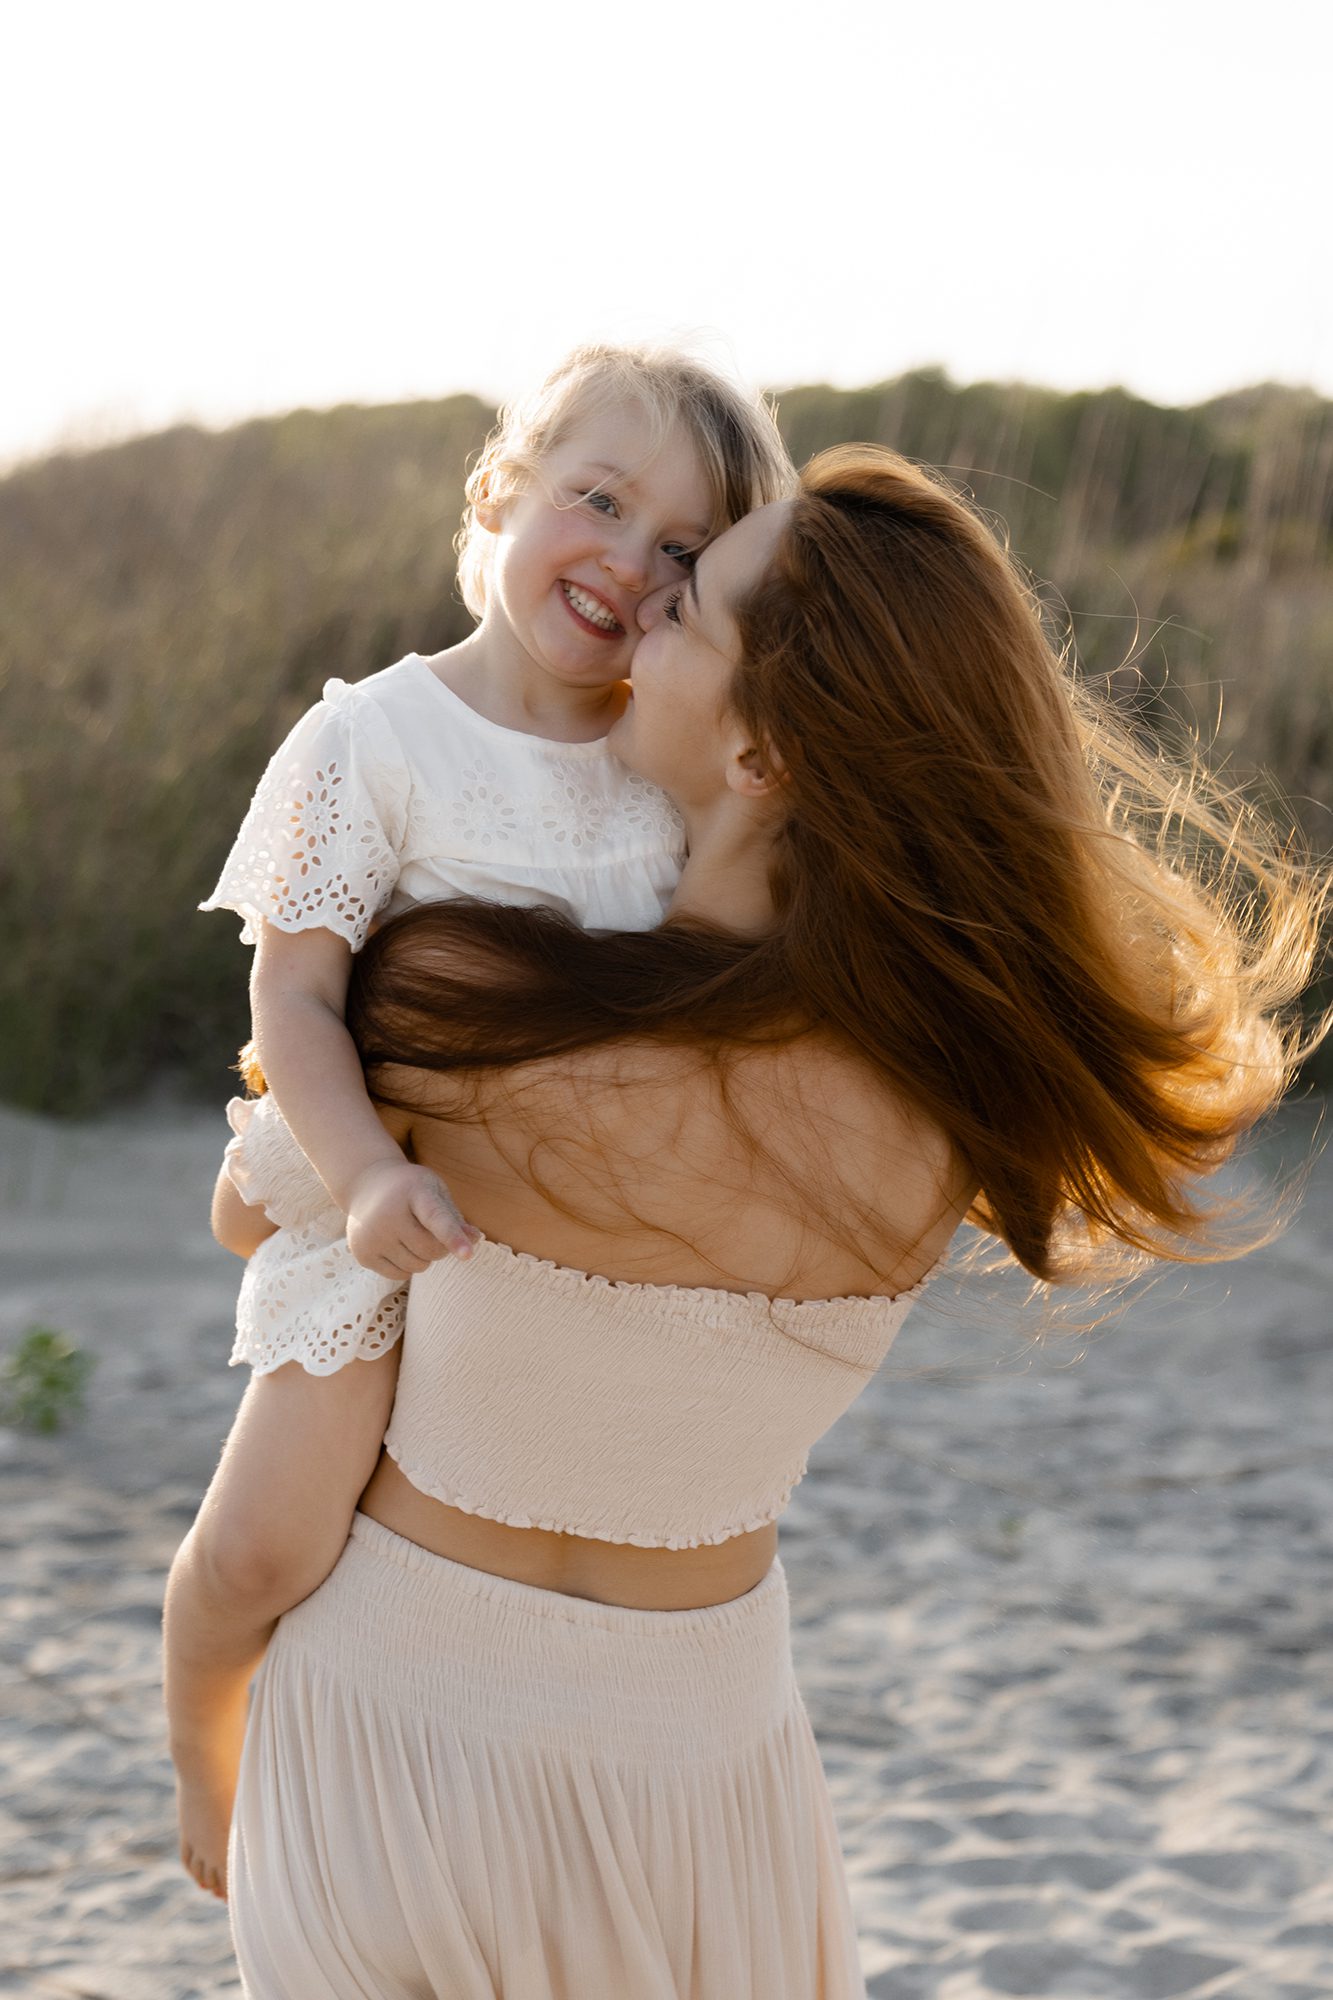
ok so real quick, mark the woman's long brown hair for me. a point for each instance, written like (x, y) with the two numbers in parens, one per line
(1081, 959)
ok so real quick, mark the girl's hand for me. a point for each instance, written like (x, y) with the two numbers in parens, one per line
(203, 1814)
(401, 1218)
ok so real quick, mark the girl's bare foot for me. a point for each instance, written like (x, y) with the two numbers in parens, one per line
(203, 1813)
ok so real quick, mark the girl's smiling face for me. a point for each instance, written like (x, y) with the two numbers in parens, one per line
(611, 521)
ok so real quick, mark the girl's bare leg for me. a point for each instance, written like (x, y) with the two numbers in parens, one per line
(272, 1525)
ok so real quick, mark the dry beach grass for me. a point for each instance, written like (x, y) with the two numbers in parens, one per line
(172, 604)
(1062, 1617)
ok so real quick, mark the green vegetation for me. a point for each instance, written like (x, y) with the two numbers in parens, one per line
(171, 605)
(42, 1382)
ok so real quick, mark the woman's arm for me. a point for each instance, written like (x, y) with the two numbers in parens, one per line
(272, 1525)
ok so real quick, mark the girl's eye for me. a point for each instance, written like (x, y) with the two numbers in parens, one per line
(671, 607)
(678, 553)
(601, 500)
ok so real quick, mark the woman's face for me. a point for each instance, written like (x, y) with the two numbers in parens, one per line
(678, 729)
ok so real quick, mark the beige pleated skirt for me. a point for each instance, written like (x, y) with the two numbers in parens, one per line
(455, 1787)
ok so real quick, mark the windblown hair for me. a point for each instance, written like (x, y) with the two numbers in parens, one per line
(1082, 960)
(736, 436)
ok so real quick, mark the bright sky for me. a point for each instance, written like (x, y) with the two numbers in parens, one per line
(214, 211)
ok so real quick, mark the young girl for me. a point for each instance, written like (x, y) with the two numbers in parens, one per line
(480, 772)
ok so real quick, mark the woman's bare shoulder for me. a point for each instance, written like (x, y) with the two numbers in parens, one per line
(787, 1167)
(797, 1095)
(802, 1118)
(818, 1081)
(881, 1165)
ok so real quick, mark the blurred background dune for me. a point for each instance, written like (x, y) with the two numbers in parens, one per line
(171, 604)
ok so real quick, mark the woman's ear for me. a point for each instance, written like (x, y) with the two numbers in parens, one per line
(754, 773)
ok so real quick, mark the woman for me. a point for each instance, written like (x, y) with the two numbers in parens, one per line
(537, 1732)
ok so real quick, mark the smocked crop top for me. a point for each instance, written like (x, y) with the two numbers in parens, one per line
(668, 1416)
(663, 1415)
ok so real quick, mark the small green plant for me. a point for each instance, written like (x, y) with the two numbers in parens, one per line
(43, 1381)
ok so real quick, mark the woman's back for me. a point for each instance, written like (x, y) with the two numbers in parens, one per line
(788, 1170)
(785, 1171)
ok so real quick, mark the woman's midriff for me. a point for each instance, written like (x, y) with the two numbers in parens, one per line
(606, 1572)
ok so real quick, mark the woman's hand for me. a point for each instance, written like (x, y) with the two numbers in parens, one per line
(401, 1218)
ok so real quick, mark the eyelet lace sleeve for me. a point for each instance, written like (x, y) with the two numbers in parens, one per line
(319, 845)
(303, 1297)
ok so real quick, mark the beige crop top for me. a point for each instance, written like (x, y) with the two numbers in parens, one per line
(662, 1415)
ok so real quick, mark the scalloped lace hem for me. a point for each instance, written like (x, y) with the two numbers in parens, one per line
(434, 1491)
(266, 1361)
(313, 918)
(320, 1351)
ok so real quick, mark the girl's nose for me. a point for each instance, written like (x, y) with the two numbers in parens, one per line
(650, 611)
(630, 563)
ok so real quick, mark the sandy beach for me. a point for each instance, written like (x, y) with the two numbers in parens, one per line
(1064, 1614)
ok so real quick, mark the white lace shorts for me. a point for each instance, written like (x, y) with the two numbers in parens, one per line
(303, 1297)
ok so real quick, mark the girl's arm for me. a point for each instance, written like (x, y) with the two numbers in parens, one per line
(399, 1216)
(272, 1525)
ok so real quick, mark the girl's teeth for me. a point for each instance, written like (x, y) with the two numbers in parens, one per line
(589, 608)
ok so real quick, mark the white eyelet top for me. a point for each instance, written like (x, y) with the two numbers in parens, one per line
(388, 793)
(392, 791)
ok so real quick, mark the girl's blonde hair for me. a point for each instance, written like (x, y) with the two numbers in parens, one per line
(736, 436)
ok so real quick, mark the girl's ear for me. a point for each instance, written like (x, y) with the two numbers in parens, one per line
(486, 512)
